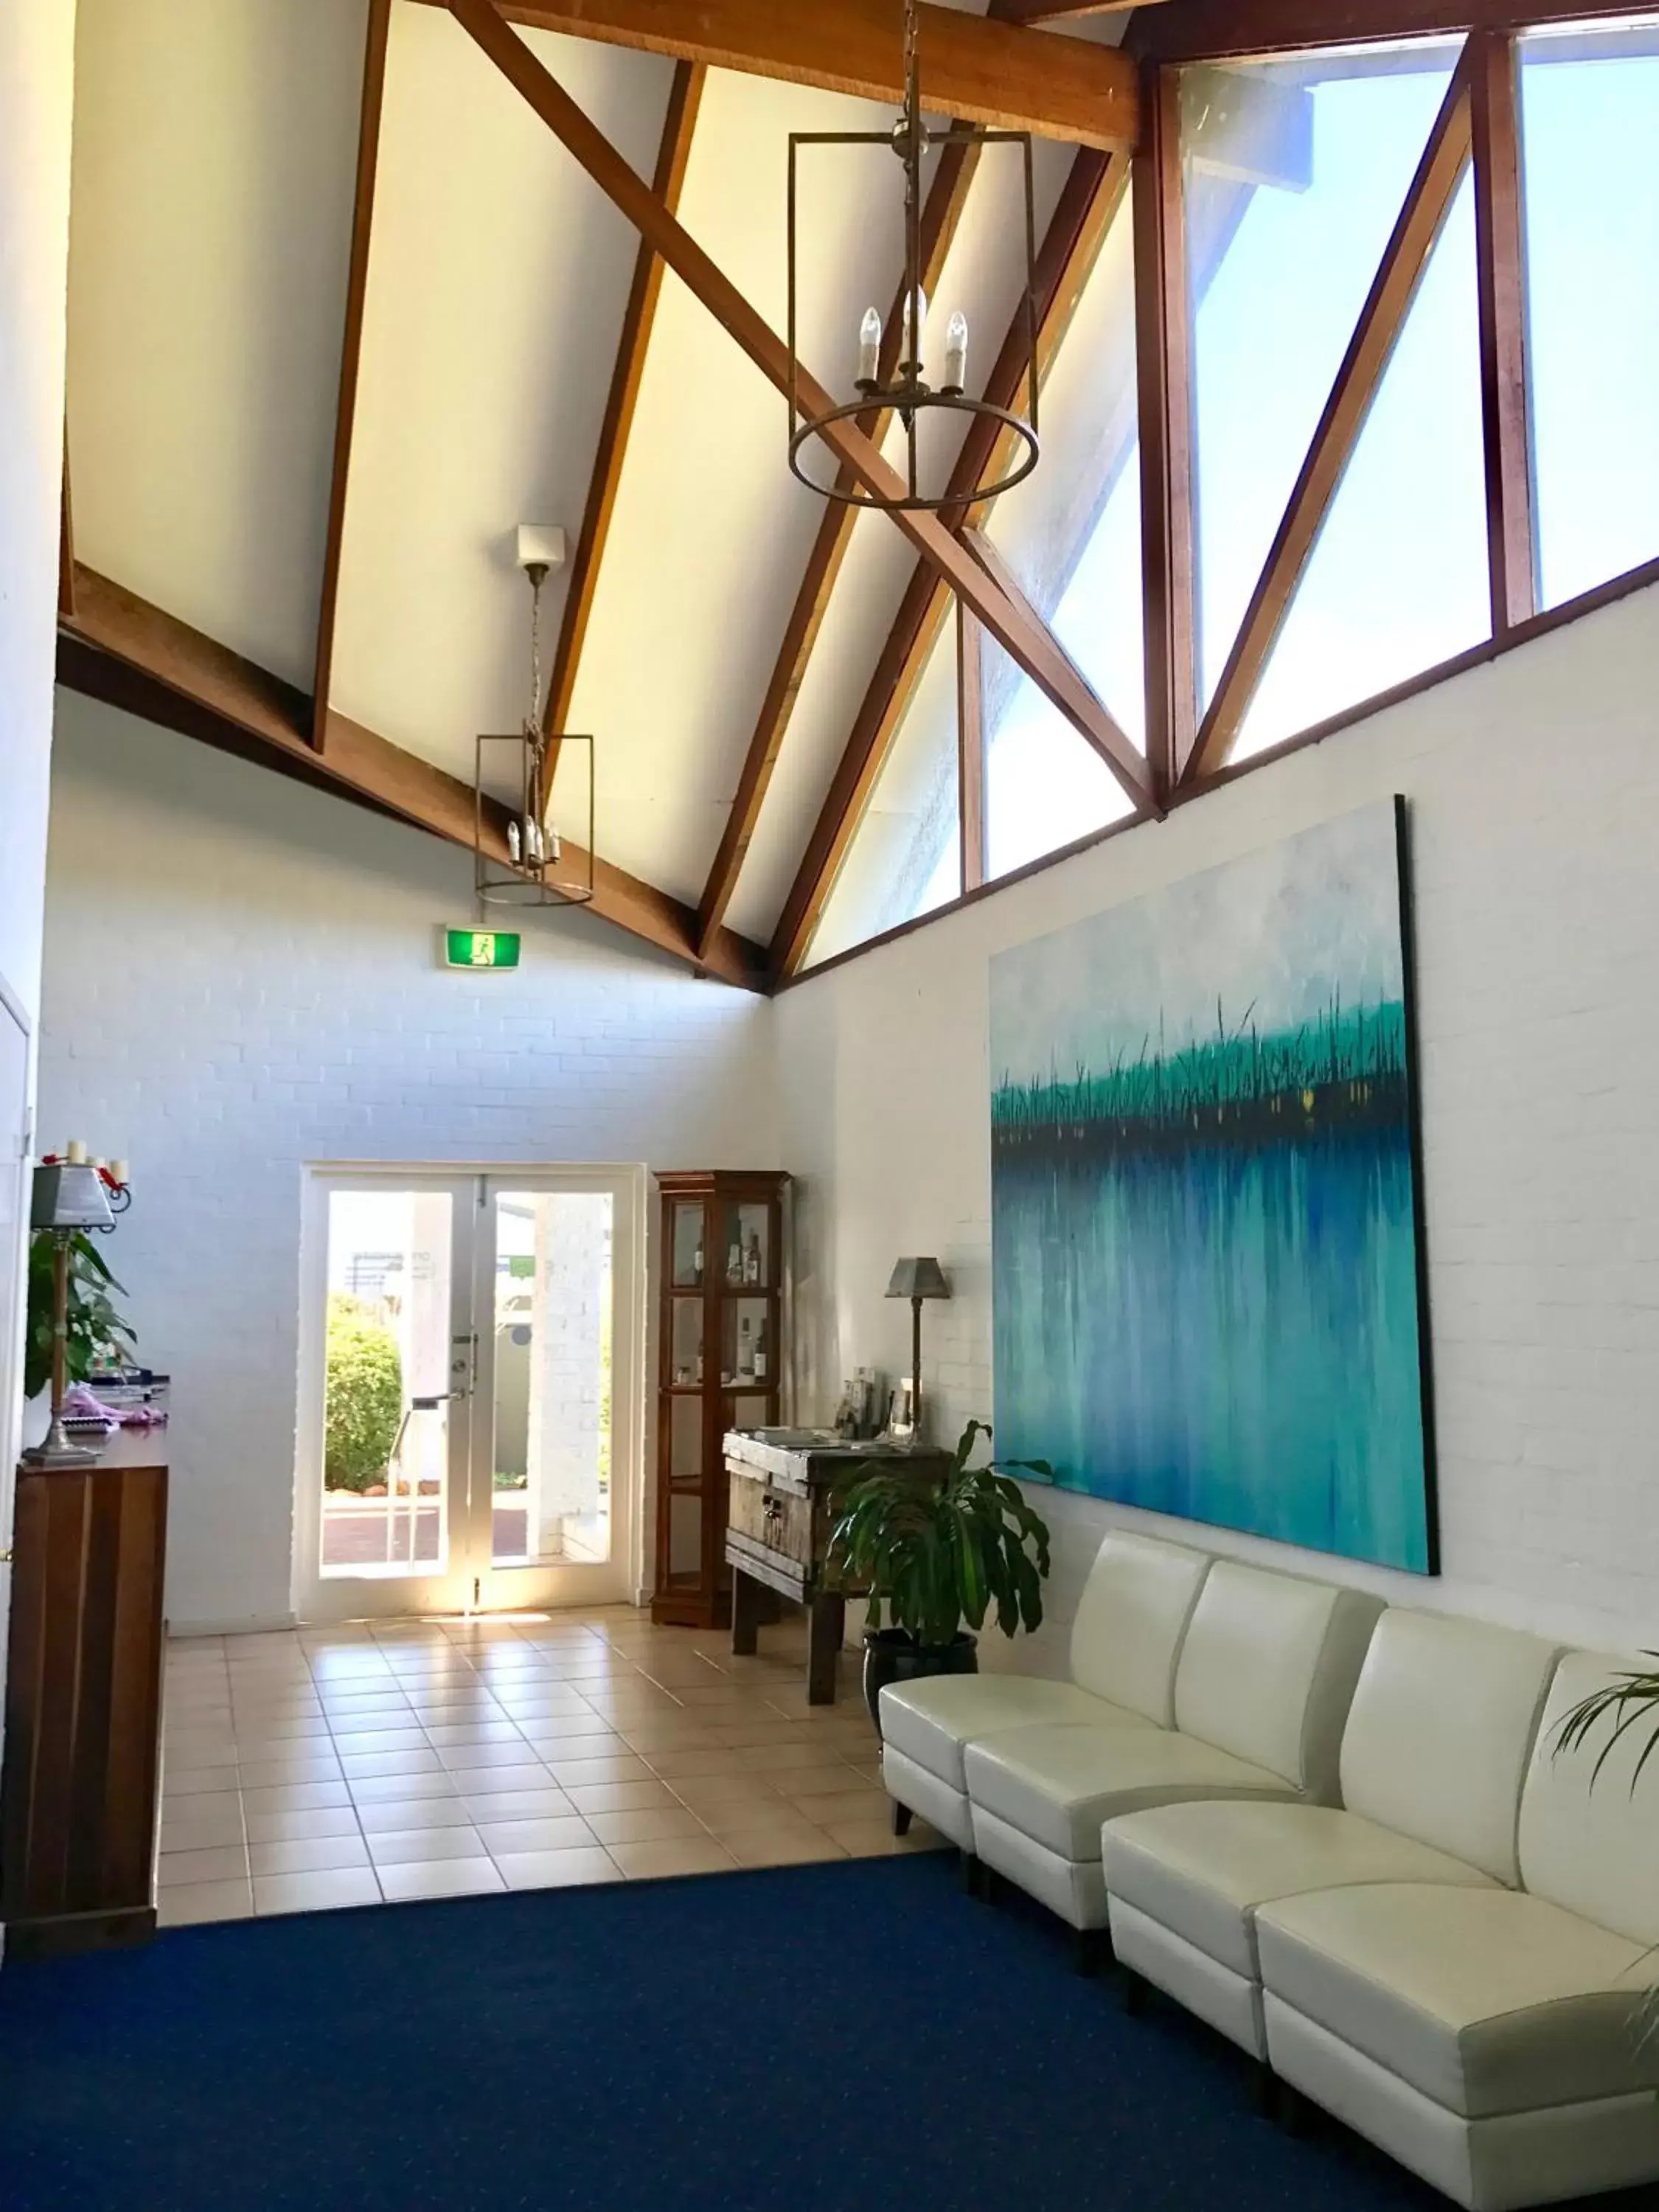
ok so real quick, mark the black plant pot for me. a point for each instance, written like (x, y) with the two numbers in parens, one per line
(891, 1655)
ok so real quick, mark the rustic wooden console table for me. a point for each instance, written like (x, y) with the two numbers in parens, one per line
(777, 1534)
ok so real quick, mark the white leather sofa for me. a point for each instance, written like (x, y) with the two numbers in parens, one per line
(1263, 1679)
(1490, 2038)
(1125, 1639)
(1441, 1726)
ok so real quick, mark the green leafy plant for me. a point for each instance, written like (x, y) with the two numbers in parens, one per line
(365, 1401)
(936, 1549)
(98, 1333)
(1628, 1699)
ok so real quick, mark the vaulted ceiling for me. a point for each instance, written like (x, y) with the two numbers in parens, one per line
(336, 326)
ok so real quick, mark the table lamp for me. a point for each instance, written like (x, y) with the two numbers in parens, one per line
(917, 1279)
(69, 1197)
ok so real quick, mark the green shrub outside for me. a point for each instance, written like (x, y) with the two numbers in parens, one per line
(365, 1396)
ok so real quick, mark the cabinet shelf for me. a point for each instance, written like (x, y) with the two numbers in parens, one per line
(717, 1321)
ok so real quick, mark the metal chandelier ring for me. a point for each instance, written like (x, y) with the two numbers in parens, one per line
(916, 503)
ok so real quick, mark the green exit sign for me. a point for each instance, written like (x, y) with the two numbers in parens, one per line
(480, 948)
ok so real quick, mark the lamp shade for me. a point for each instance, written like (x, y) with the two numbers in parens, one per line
(69, 1197)
(918, 1278)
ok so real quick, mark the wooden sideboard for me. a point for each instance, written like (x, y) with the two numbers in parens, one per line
(80, 1784)
(780, 1487)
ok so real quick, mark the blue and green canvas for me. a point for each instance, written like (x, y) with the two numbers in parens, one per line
(1204, 1207)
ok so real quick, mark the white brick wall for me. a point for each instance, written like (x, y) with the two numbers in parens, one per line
(1535, 792)
(241, 977)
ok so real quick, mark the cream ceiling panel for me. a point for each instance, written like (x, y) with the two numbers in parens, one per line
(215, 151)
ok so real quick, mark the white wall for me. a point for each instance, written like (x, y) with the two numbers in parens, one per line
(1533, 786)
(241, 977)
(37, 52)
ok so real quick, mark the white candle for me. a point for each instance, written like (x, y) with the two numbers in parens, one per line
(956, 353)
(118, 1169)
(76, 1153)
(869, 347)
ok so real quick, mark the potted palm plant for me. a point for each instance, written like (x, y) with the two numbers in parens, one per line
(935, 1552)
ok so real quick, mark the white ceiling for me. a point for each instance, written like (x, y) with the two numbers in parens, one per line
(215, 143)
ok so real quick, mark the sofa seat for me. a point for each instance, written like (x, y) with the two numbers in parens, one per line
(932, 1722)
(1057, 1783)
(1201, 1870)
(1487, 2001)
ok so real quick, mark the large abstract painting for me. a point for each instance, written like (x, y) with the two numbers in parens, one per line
(1206, 1225)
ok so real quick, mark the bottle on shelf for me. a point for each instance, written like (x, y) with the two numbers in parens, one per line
(696, 1262)
(751, 1258)
(760, 1354)
(734, 1264)
(745, 1351)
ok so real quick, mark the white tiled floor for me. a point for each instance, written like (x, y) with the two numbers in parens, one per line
(409, 1759)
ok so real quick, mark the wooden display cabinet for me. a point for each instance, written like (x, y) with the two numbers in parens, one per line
(720, 1366)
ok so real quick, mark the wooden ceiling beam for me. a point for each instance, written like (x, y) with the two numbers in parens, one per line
(119, 648)
(1218, 30)
(673, 157)
(973, 66)
(1090, 196)
(1028, 644)
(1104, 736)
(1428, 204)
(351, 351)
(947, 196)
(1067, 11)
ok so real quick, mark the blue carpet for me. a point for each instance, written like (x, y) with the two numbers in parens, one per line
(813, 2039)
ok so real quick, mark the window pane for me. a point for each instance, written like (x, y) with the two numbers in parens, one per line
(1072, 532)
(1045, 784)
(1296, 170)
(1589, 106)
(906, 857)
(1397, 581)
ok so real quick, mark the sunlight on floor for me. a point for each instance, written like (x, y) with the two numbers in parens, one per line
(410, 1758)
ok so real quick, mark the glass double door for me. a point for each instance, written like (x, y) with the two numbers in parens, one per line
(471, 1358)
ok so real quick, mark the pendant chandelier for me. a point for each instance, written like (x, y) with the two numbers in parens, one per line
(903, 389)
(516, 771)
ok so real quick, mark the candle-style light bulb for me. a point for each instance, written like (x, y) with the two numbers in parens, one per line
(915, 320)
(956, 352)
(869, 347)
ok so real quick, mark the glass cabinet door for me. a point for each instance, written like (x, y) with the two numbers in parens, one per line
(745, 1245)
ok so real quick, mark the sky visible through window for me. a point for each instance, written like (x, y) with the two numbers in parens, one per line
(1397, 581)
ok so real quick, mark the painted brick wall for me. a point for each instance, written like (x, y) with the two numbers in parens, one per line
(241, 977)
(1534, 796)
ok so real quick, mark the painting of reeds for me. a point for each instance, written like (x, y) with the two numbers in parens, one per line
(1205, 1217)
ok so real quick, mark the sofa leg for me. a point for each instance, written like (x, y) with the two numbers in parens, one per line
(902, 1817)
(972, 1871)
(1091, 1950)
(1135, 1992)
(1294, 2112)
(1264, 2089)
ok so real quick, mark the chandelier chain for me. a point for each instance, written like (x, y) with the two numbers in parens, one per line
(533, 725)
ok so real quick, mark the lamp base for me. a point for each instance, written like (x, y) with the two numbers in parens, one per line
(59, 1451)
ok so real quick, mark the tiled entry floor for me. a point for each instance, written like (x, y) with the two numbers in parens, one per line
(407, 1759)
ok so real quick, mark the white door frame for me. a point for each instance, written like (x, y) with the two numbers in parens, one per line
(337, 1597)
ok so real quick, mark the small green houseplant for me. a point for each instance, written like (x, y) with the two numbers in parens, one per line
(98, 1333)
(936, 1551)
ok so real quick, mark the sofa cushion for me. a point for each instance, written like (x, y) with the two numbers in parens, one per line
(932, 1721)
(1130, 1621)
(1485, 2000)
(1267, 1670)
(1058, 1783)
(1201, 1870)
(1445, 1769)
(1594, 1850)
